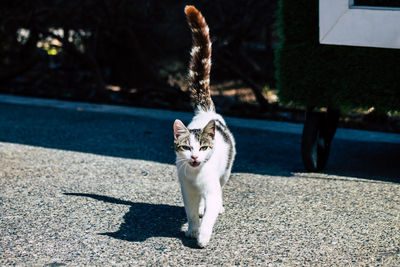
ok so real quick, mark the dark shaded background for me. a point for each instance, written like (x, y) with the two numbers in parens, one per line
(136, 52)
(132, 52)
(259, 151)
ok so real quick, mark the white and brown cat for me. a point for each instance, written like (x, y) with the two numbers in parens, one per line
(205, 149)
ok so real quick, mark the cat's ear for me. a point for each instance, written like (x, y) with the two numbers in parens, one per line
(179, 128)
(209, 129)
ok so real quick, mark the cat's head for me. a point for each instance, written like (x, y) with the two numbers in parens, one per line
(194, 146)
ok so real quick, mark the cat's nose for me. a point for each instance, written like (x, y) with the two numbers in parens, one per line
(195, 157)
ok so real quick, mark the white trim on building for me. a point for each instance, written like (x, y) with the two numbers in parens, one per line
(342, 23)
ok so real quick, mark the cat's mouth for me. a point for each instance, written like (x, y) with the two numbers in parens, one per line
(194, 163)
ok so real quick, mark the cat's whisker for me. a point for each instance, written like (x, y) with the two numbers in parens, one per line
(180, 167)
(185, 169)
(180, 160)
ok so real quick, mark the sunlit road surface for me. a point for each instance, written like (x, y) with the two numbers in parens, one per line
(96, 185)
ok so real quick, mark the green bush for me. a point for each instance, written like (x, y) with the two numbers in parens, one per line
(314, 75)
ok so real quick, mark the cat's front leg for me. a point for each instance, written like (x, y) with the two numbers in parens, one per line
(213, 204)
(191, 200)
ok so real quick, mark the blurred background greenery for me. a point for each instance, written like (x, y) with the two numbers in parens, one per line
(134, 52)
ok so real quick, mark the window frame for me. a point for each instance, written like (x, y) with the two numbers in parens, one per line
(343, 23)
(352, 5)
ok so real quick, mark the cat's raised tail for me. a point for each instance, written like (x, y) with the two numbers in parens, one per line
(200, 62)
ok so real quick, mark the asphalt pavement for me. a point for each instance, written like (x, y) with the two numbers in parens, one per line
(96, 185)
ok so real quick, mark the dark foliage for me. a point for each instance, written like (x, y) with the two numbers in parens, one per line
(76, 49)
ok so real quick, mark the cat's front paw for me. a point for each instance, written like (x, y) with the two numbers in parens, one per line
(191, 233)
(203, 239)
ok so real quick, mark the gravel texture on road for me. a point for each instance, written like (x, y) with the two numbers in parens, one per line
(84, 188)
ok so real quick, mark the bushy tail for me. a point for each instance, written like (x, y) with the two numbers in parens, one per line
(200, 62)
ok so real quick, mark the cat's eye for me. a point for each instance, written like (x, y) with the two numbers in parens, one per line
(186, 147)
(203, 148)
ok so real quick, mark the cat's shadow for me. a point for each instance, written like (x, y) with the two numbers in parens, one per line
(145, 220)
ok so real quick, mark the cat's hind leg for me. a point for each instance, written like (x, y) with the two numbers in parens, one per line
(201, 210)
(222, 181)
(201, 207)
(224, 178)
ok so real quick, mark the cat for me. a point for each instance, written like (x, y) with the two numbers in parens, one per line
(205, 149)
